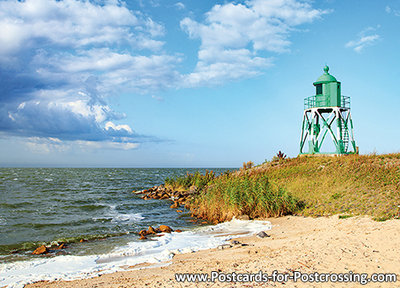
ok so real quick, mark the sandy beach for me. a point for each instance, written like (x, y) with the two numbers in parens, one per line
(308, 245)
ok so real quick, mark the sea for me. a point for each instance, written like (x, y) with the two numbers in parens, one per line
(94, 211)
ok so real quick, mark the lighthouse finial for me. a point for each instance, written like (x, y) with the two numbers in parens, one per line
(326, 69)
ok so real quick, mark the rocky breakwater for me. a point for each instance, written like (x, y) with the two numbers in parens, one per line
(178, 197)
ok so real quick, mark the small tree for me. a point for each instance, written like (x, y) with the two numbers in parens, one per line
(248, 165)
(279, 156)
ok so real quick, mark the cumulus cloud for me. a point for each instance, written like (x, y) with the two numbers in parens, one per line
(233, 35)
(366, 38)
(60, 60)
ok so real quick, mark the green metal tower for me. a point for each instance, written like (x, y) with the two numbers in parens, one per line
(327, 113)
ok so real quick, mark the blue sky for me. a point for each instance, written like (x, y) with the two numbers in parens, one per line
(165, 83)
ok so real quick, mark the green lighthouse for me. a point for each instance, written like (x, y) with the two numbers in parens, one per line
(327, 114)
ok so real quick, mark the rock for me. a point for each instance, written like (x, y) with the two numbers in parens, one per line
(178, 230)
(235, 242)
(139, 192)
(175, 205)
(243, 217)
(165, 228)
(224, 246)
(61, 246)
(151, 230)
(181, 200)
(143, 233)
(179, 211)
(41, 250)
(262, 234)
(142, 237)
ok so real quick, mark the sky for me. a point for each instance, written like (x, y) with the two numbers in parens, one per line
(163, 83)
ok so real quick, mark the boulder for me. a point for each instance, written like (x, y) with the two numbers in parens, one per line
(175, 205)
(178, 230)
(40, 250)
(262, 234)
(142, 237)
(151, 230)
(61, 246)
(165, 228)
(143, 233)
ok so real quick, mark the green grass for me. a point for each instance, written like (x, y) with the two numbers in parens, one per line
(353, 184)
(309, 186)
(252, 195)
(345, 216)
(190, 179)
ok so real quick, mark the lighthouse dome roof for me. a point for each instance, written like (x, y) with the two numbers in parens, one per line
(326, 77)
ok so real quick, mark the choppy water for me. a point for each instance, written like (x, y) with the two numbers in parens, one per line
(48, 205)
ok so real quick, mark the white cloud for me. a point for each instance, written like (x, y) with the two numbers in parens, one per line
(47, 145)
(232, 35)
(366, 38)
(180, 5)
(113, 70)
(390, 10)
(111, 126)
(60, 60)
(43, 145)
(69, 23)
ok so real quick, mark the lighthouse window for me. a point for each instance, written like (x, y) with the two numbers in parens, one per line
(319, 89)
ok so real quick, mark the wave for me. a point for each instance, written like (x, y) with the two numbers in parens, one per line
(122, 217)
(162, 249)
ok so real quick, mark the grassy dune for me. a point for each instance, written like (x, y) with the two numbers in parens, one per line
(310, 186)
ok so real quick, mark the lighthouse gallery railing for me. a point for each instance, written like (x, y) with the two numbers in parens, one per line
(313, 101)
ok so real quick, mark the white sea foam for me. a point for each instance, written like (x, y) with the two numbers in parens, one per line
(74, 267)
(123, 217)
(120, 217)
